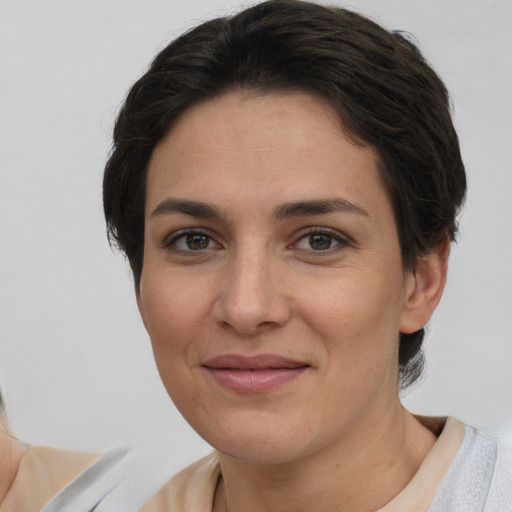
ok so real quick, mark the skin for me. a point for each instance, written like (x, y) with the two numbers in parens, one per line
(326, 288)
(11, 453)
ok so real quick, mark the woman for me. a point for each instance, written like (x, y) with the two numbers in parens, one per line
(285, 185)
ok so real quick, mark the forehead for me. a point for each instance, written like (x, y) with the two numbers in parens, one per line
(260, 149)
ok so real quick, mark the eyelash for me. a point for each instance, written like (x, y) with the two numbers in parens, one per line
(341, 241)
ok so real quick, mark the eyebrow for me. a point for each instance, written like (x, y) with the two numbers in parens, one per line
(192, 208)
(317, 207)
(282, 212)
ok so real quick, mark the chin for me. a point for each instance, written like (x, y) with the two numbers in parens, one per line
(259, 438)
(261, 450)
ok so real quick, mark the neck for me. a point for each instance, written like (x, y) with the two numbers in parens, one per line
(11, 453)
(361, 472)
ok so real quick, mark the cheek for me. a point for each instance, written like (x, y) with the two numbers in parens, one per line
(357, 320)
(353, 306)
(174, 315)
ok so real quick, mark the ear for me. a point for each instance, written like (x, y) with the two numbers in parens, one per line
(424, 288)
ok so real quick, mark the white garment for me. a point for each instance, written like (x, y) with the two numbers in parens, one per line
(479, 478)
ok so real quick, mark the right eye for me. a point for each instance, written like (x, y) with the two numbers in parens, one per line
(192, 241)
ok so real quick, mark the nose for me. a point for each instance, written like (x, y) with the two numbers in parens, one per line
(250, 298)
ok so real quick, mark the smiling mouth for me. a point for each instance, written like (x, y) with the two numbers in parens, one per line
(254, 374)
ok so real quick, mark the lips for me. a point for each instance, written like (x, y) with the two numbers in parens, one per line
(253, 374)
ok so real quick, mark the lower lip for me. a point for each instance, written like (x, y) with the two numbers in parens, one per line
(254, 381)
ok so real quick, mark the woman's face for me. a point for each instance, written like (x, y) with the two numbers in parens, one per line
(272, 287)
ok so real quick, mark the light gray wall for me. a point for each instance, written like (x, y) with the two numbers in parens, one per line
(75, 364)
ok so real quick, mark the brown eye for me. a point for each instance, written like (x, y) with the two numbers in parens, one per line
(197, 241)
(320, 241)
(192, 241)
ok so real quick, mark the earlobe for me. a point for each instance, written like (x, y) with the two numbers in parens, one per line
(424, 288)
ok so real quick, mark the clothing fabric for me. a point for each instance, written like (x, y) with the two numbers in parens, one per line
(466, 471)
(93, 485)
(136, 478)
(42, 473)
(479, 479)
(54, 480)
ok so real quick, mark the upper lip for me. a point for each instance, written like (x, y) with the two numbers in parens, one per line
(258, 362)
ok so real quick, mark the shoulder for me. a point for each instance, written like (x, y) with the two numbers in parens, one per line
(42, 473)
(190, 490)
(479, 478)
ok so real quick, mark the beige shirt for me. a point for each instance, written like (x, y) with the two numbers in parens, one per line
(42, 473)
(193, 489)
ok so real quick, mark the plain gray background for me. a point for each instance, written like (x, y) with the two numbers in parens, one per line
(76, 366)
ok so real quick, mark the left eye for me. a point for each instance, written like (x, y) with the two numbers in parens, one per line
(195, 241)
(319, 241)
